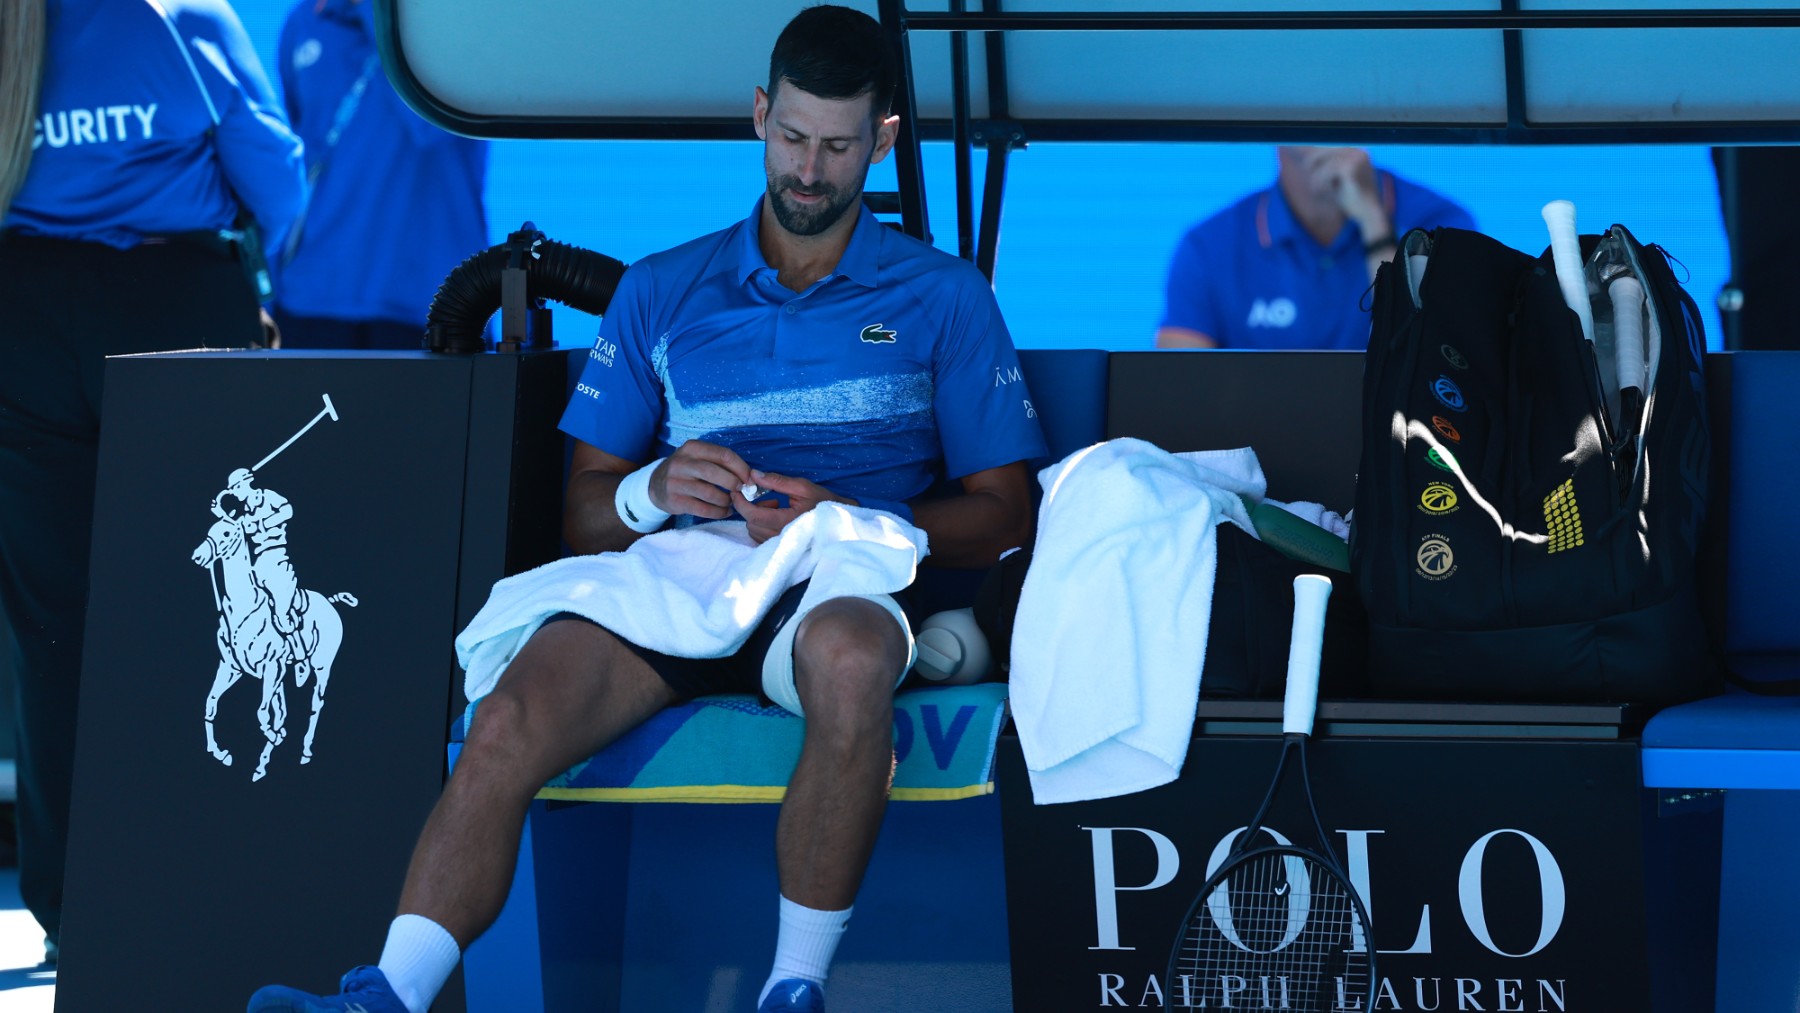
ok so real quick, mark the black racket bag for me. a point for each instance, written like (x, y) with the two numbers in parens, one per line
(1513, 539)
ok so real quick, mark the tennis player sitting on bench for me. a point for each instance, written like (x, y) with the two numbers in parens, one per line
(823, 357)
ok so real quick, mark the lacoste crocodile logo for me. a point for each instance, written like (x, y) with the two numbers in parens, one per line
(874, 335)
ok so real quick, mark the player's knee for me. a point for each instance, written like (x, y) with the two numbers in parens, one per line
(853, 639)
(499, 725)
(848, 654)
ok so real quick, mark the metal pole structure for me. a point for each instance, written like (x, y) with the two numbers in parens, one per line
(1512, 53)
(999, 144)
(908, 159)
(1148, 21)
(959, 138)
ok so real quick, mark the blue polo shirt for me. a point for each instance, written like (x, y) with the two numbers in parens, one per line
(396, 202)
(149, 126)
(890, 373)
(1251, 276)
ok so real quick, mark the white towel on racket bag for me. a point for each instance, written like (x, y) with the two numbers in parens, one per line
(1113, 616)
(695, 592)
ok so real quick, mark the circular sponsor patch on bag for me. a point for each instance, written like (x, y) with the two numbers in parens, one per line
(1449, 394)
(1435, 560)
(1438, 499)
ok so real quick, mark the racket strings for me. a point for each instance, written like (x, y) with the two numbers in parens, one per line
(1279, 932)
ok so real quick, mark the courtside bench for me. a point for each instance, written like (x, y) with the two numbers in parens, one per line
(674, 904)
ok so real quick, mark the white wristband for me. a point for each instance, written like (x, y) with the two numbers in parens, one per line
(632, 501)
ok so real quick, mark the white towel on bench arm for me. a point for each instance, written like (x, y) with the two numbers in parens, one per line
(694, 592)
(1113, 617)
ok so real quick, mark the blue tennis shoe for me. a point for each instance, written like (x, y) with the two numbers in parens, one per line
(363, 990)
(794, 995)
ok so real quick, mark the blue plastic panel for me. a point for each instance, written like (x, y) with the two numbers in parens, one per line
(1763, 595)
(1659, 75)
(488, 63)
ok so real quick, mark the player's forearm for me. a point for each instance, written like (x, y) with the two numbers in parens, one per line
(590, 520)
(973, 529)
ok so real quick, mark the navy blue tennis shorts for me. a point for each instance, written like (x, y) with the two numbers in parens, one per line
(736, 673)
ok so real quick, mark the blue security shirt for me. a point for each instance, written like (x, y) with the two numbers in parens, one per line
(1251, 276)
(396, 202)
(150, 126)
(890, 373)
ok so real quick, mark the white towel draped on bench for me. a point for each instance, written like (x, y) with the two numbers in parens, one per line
(694, 592)
(1113, 617)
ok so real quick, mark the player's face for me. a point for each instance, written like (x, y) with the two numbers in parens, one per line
(816, 154)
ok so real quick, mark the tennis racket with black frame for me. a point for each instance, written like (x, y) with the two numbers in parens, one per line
(1279, 926)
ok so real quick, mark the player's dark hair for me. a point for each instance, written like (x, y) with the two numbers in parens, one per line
(836, 53)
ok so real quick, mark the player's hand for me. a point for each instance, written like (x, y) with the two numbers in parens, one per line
(699, 478)
(767, 520)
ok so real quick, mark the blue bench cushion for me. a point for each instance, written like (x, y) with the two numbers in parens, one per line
(731, 749)
(1734, 740)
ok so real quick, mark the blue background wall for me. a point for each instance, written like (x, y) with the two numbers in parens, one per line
(1088, 228)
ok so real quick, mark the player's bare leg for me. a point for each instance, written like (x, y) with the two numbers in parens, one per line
(573, 689)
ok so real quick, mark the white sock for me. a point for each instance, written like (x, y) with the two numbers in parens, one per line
(418, 959)
(805, 944)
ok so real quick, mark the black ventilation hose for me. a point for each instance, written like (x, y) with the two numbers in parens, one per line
(470, 294)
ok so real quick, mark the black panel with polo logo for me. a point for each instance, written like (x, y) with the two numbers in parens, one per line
(280, 545)
(1502, 851)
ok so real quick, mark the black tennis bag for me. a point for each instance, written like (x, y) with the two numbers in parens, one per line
(1512, 540)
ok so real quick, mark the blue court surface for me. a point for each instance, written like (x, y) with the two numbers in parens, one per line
(26, 986)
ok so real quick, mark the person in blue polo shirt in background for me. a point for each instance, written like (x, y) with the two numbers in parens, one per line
(812, 353)
(1287, 267)
(395, 204)
(142, 146)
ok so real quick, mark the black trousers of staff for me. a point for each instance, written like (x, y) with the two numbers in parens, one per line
(68, 305)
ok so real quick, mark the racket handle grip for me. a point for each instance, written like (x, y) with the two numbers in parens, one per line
(1628, 332)
(1305, 648)
(1565, 252)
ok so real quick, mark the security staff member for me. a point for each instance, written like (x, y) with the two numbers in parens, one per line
(132, 142)
(395, 202)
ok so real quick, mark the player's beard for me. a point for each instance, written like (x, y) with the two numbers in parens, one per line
(809, 221)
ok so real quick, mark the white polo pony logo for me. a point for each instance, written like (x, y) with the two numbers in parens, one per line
(268, 625)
